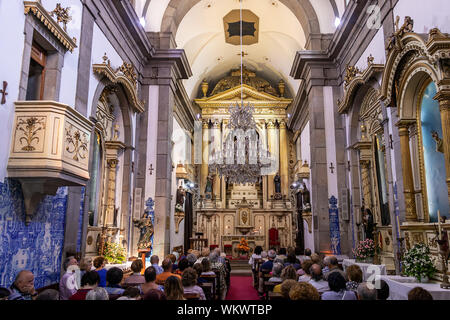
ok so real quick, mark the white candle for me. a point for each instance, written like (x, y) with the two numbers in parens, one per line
(439, 225)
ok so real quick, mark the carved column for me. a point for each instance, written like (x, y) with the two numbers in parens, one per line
(366, 184)
(444, 106)
(284, 159)
(224, 185)
(408, 183)
(272, 141)
(113, 149)
(205, 155)
(216, 145)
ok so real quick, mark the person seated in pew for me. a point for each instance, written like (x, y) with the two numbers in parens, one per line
(276, 272)
(303, 291)
(130, 293)
(286, 286)
(98, 293)
(136, 278)
(305, 271)
(206, 265)
(288, 273)
(255, 256)
(183, 264)
(317, 280)
(113, 278)
(199, 269)
(216, 264)
(167, 267)
(292, 260)
(150, 281)
(173, 289)
(189, 282)
(264, 256)
(89, 281)
(338, 290)
(281, 255)
(265, 268)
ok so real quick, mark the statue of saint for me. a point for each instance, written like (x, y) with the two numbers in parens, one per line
(306, 198)
(209, 185)
(439, 142)
(179, 205)
(368, 223)
(277, 183)
(444, 249)
(145, 226)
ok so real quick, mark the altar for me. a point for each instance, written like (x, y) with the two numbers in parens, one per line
(230, 242)
(399, 287)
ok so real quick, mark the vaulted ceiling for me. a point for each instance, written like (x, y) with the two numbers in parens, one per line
(198, 28)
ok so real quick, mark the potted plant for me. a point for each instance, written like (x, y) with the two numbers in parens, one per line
(115, 253)
(418, 263)
(365, 251)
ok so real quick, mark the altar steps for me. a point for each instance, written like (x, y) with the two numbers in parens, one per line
(240, 267)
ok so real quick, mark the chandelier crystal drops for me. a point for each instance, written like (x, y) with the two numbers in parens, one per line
(243, 158)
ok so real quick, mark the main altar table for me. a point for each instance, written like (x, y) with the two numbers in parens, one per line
(368, 269)
(399, 288)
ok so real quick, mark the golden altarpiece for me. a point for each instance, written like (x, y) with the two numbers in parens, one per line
(228, 212)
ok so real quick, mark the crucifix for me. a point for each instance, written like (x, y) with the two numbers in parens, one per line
(151, 169)
(243, 54)
(332, 168)
(3, 92)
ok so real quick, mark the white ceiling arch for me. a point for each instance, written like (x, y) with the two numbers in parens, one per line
(198, 29)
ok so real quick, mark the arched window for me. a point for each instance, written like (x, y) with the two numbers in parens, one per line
(433, 156)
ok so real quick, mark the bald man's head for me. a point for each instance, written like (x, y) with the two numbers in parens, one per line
(316, 272)
(25, 281)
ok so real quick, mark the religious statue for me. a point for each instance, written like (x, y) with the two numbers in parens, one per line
(145, 226)
(368, 223)
(277, 183)
(209, 187)
(439, 142)
(444, 251)
(306, 199)
(179, 205)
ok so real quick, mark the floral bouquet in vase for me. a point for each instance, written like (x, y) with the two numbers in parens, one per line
(418, 263)
(365, 251)
(243, 247)
(115, 253)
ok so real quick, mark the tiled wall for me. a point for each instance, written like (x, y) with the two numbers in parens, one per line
(36, 247)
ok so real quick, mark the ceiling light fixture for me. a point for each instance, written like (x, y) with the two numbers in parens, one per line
(337, 22)
(142, 21)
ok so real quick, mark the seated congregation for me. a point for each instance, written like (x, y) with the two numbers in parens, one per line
(295, 275)
(194, 276)
(277, 275)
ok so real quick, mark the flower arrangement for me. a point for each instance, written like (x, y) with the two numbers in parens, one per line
(243, 246)
(364, 250)
(418, 263)
(115, 253)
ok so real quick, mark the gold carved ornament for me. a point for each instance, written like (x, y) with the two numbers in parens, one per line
(36, 8)
(62, 15)
(79, 142)
(30, 128)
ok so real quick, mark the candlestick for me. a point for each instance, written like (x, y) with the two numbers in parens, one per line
(439, 225)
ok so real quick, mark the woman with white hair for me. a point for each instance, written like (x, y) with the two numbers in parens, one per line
(216, 264)
(98, 293)
(276, 272)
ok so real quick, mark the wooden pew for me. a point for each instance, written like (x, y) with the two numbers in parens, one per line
(212, 279)
(275, 296)
(191, 296)
(208, 290)
(268, 287)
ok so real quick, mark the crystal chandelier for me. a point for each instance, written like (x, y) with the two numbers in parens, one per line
(243, 158)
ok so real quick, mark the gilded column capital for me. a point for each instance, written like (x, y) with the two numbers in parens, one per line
(404, 125)
(216, 123)
(271, 124)
(443, 97)
(205, 124)
(282, 124)
(112, 163)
